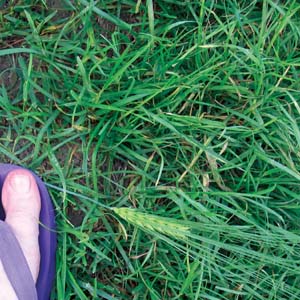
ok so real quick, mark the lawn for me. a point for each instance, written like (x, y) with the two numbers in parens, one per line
(168, 135)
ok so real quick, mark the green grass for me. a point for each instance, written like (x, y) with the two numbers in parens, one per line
(168, 135)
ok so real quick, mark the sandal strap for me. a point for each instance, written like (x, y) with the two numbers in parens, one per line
(15, 264)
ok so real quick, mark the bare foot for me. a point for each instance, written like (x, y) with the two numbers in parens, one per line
(21, 202)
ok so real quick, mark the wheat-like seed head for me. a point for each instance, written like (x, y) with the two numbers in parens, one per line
(154, 223)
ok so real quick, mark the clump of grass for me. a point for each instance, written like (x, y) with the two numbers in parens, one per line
(186, 111)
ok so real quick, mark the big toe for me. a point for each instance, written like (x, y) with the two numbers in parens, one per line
(21, 202)
(20, 194)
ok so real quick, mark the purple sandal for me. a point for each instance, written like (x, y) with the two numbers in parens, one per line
(12, 257)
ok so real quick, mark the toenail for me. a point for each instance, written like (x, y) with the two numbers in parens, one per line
(20, 183)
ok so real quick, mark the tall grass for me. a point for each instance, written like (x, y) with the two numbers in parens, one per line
(168, 135)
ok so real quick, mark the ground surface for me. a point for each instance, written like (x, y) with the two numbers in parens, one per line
(187, 112)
